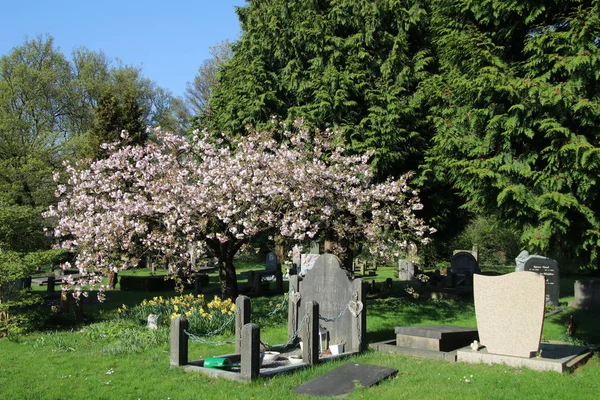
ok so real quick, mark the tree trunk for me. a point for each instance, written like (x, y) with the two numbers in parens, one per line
(112, 279)
(225, 253)
(280, 247)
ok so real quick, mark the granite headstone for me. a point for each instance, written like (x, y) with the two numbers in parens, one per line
(340, 299)
(463, 264)
(549, 269)
(510, 312)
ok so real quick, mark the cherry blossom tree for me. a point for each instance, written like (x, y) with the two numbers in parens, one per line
(216, 194)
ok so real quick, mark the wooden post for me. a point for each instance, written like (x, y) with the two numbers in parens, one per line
(242, 317)
(310, 334)
(250, 354)
(179, 342)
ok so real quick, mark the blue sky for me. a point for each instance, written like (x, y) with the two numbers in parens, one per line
(167, 39)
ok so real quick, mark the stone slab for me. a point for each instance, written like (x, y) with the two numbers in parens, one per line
(554, 357)
(510, 312)
(342, 380)
(389, 346)
(435, 338)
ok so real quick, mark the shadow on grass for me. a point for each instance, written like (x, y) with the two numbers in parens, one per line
(385, 314)
(586, 324)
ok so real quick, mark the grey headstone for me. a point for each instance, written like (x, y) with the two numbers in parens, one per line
(464, 264)
(548, 268)
(406, 270)
(339, 298)
(343, 380)
(153, 321)
(587, 295)
(271, 263)
(314, 248)
(520, 260)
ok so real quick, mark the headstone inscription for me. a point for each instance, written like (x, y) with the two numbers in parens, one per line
(341, 302)
(406, 270)
(510, 312)
(549, 269)
(463, 264)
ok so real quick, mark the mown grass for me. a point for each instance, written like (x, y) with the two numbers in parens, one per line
(115, 359)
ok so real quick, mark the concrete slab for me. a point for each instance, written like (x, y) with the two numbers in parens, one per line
(435, 338)
(390, 346)
(342, 380)
(554, 357)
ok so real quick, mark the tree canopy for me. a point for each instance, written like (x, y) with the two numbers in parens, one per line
(216, 194)
(494, 100)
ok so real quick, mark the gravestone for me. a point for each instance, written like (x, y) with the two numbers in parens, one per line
(510, 312)
(520, 260)
(406, 270)
(153, 321)
(307, 262)
(271, 263)
(549, 269)
(340, 299)
(463, 264)
(314, 248)
(587, 295)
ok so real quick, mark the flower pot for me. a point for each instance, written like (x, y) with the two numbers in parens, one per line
(295, 360)
(336, 349)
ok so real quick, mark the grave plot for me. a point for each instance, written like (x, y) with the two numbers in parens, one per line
(326, 315)
(434, 342)
(510, 316)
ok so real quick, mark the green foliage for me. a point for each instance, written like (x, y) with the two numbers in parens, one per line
(349, 64)
(516, 107)
(491, 238)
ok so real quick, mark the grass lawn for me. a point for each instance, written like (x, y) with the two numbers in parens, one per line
(110, 360)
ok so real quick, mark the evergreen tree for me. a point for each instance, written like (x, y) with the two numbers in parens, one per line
(354, 64)
(516, 107)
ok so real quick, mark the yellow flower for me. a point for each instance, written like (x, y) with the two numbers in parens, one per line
(174, 315)
(277, 305)
(118, 310)
(176, 308)
(187, 314)
(124, 307)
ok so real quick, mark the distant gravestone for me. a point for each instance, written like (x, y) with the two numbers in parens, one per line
(510, 312)
(463, 264)
(271, 263)
(520, 260)
(587, 295)
(340, 299)
(153, 321)
(314, 248)
(406, 270)
(307, 262)
(549, 269)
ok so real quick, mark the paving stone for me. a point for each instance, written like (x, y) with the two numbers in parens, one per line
(342, 380)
